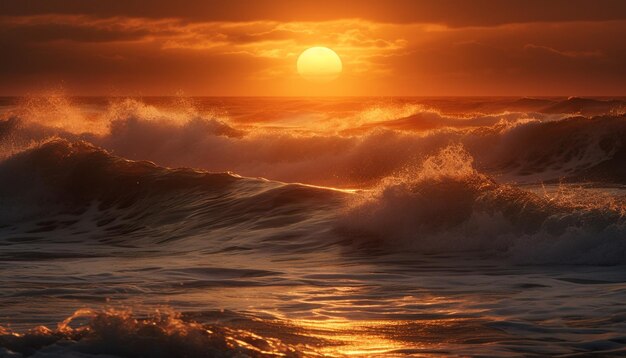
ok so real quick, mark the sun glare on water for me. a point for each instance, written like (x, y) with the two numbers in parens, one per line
(319, 64)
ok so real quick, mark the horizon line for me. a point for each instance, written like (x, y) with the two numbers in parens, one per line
(329, 96)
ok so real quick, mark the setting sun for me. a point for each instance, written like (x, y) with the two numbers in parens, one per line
(319, 64)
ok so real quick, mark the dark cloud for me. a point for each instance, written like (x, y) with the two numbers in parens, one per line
(70, 32)
(534, 59)
(450, 12)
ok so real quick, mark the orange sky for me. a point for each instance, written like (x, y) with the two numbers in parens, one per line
(239, 47)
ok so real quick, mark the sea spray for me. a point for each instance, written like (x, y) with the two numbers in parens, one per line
(446, 206)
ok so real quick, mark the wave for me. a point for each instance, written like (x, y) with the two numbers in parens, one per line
(587, 106)
(526, 147)
(547, 105)
(116, 333)
(444, 205)
(447, 207)
(429, 195)
(61, 173)
(575, 149)
(79, 188)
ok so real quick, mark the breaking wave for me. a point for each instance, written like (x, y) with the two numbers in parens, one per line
(445, 190)
(446, 206)
(528, 147)
(116, 333)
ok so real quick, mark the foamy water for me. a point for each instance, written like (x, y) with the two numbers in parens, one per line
(371, 226)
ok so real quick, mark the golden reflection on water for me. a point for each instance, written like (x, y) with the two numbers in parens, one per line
(351, 337)
(367, 338)
(341, 326)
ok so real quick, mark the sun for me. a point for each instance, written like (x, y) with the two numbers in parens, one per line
(319, 64)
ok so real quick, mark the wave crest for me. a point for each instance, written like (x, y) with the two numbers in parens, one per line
(523, 147)
(446, 206)
(116, 333)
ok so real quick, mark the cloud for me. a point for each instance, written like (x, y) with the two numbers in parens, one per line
(455, 13)
(93, 54)
(563, 53)
(73, 46)
(79, 28)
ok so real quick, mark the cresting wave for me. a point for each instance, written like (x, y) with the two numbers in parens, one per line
(81, 188)
(115, 333)
(443, 206)
(540, 141)
(446, 206)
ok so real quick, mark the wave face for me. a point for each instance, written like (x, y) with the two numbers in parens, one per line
(78, 187)
(385, 226)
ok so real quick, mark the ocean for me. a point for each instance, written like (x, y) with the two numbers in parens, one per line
(310, 227)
